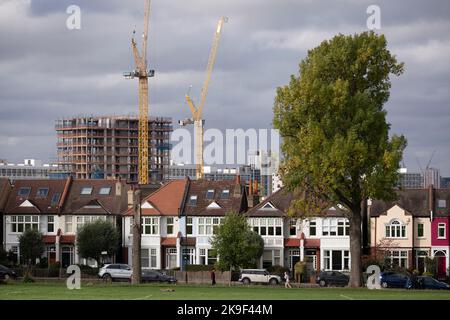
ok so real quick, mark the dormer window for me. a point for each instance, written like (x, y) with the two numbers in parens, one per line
(192, 200)
(210, 194)
(225, 194)
(42, 193)
(55, 199)
(105, 191)
(395, 229)
(86, 190)
(24, 192)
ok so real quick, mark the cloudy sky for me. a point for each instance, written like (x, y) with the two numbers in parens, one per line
(48, 71)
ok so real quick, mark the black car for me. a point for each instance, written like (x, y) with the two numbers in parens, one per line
(425, 282)
(156, 276)
(392, 279)
(7, 273)
(332, 278)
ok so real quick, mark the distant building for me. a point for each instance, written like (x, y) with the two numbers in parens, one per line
(277, 184)
(410, 180)
(431, 176)
(29, 169)
(107, 147)
(266, 163)
(445, 182)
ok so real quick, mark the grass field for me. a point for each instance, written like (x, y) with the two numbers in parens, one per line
(118, 291)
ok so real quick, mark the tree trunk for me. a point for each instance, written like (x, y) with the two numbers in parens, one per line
(355, 248)
(136, 250)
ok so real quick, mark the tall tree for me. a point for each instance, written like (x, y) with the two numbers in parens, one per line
(31, 246)
(96, 237)
(236, 244)
(336, 141)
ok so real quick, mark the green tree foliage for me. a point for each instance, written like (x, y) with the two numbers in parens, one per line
(236, 244)
(336, 141)
(95, 237)
(31, 246)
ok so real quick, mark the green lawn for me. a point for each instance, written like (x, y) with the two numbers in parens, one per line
(58, 291)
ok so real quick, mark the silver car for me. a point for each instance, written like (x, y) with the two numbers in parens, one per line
(115, 271)
(258, 276)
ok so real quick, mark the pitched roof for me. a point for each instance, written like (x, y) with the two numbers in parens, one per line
(41, 204)
(236, 200)
(95, 202)
(166, 201)
(278, 203)
(5, 188)
(415, 202)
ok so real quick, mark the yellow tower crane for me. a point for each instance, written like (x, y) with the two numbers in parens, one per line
(197, 112)
(142, 74)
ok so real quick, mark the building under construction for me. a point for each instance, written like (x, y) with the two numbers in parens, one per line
(107, 147)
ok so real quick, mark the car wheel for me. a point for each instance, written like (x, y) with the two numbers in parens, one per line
(246, 281)
(107, 277)
(273, 282)
(384, 284)
(322, 283)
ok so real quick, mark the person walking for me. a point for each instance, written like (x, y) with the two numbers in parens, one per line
(213, 278)
(287, 284)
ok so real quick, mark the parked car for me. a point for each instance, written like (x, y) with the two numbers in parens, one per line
(7, 273)
(115, 271)
(156, 276)
(392, 279)
(258, 276)
(332, 278)
(426, 282)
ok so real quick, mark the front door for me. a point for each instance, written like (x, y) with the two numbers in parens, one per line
(442, 267)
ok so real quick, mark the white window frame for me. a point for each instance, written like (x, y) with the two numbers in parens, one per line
(423, 230)
(24, 220)
(170, 224)
(395, 230)
(400, 255)
(189, 223)
(152, 223)
(312, 224)
(440, 226)
(262, 226)
(69, 224)
(50, 223)
(208, 225)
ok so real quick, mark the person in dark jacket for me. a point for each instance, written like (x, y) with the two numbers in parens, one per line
(213, 278)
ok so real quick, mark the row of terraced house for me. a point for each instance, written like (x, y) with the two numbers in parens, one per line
(180, 217)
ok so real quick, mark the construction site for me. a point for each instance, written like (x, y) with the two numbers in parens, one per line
(107, 147)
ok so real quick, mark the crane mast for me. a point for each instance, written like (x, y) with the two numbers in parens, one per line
(198, 112)
(142, 74)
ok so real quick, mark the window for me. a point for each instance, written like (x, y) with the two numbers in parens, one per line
(208, 225)
(20, 224)
(202, 256)
(50, 223)
(24, 192)
(312, 228)
(153, 258)
(145, 260)
(86, 190)
(105, 190)
(343, 227)
(267, 258)
(276, 258)
(336, 259)
(169, 225)
(81, 220)
(55, 199)
(329, 227)
(189, 226)
(42, 193)
(442, 204)
(399, 258)
(150, 225)
(192, 201)
(210, 194)
(441, 230)
(395, 230)
(212, 256)
(225, 194)
(69, 224)
(293, 227)
(420, 230)
(267, 226)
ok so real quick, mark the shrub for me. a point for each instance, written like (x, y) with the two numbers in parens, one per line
(278, 270)
(43, 262)
(53, 269)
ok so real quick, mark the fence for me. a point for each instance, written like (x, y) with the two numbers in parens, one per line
(201, 277)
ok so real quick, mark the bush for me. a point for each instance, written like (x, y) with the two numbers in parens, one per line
(278, 270)
(53, 269)
(43, 263)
